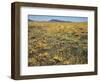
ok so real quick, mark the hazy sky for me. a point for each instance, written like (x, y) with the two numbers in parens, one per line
(63, 18)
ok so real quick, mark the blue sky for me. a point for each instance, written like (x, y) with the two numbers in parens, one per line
(63, 18)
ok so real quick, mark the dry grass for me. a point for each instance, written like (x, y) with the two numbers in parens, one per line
(57, 43)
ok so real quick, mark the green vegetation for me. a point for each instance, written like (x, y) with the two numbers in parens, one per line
(57, 43)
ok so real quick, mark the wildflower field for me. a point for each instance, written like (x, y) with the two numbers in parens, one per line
(57, 43)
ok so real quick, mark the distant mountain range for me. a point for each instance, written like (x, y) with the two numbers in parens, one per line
(56, 20)
(52, 20)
